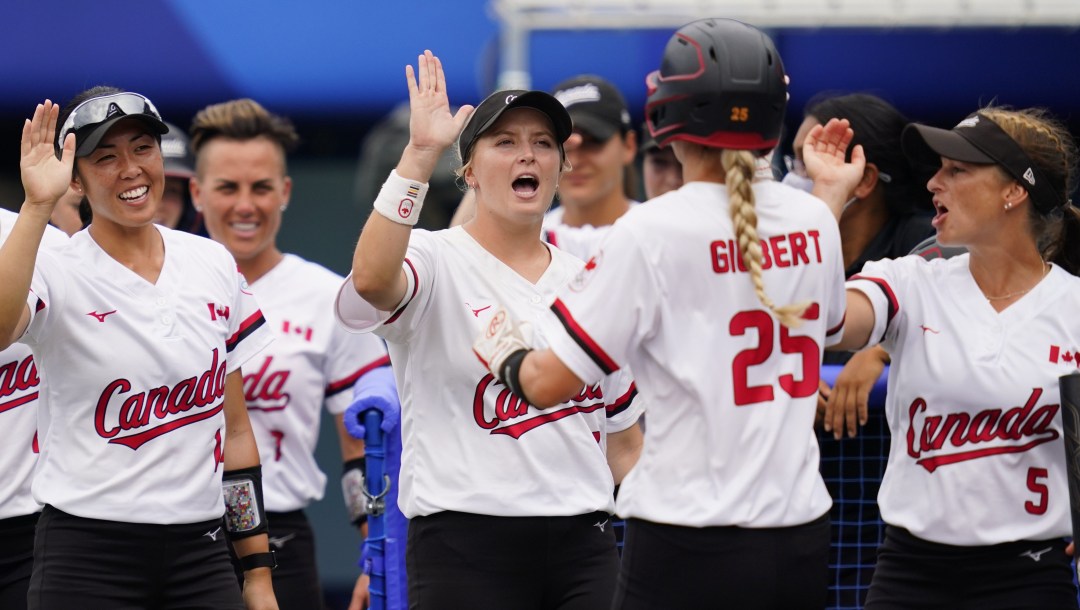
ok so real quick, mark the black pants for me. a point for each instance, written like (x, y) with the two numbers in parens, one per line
(296, 579)
(91, 564)
(461, 560)
(16, 559)
(669, 566)
(915, 573)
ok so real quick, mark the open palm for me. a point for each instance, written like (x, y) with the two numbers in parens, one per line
(431, 125)
(45, 178)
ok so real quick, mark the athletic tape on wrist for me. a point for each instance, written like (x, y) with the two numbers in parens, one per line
(245, 514)
(510, 372)
(352, 488)
(400, 200)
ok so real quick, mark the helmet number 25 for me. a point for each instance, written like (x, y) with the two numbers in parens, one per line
(740, 114)
(765, 326)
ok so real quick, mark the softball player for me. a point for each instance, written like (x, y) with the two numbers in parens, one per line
(725, 506)
(19, 387)
(975, 493)
(509, 505)
(242, 189)
(139, 332)
(594, 193)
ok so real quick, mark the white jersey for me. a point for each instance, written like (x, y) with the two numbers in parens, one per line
(731, 393)
(131, 407)
(579, 241)
(313, 361)
(19, 381)
(973, 401)
(469, 445)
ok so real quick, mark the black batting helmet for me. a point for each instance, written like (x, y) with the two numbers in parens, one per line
(720, 84)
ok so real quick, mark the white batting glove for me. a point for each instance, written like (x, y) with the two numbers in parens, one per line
(501, 338)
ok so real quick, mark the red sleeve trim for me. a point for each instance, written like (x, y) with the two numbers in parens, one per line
(348, 382)
(595, 352)
(416, 286)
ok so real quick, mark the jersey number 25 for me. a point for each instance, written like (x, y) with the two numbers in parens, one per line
(765, 325)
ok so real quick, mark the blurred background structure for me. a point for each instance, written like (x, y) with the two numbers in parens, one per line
(336, 67)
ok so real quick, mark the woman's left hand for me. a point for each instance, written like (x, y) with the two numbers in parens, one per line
(825, 157)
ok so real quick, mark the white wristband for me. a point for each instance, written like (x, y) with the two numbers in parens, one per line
(400, 200)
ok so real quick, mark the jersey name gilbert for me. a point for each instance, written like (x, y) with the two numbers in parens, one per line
(17, 376)
(150, 408)
(1023, 427)
(789, 250)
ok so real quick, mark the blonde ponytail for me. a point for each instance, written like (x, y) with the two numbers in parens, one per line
(739, 174)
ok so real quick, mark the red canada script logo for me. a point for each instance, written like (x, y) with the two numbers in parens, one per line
(510, 416)
(144, 412)
(17, 376)
(931, 437)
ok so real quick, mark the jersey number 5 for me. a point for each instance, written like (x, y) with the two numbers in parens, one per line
(765, 325)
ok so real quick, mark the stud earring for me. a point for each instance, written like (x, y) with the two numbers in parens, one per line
(1008, 206)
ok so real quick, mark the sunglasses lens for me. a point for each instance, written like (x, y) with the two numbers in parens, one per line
(99, 109)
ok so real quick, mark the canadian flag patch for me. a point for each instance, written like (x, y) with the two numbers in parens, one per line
(1063, 355)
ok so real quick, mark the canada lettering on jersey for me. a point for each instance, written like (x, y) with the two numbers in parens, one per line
(147, 410)
(789, 250)
(510, 412)
(264, 389)
(18, 376)
(1024, 427)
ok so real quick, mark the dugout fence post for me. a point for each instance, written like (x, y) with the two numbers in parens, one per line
(377, 484)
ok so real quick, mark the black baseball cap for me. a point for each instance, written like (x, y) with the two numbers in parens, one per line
(499, 102)
(595, 104)
(93, 118)
(978, 139)
(648, 142)
(176, 151)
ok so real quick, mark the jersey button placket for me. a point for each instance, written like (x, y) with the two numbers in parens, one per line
(165, 315)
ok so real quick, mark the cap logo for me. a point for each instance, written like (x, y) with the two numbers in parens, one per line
(173, 148)
(971, 121)
(575, 95)
(1029, 176)
(510, 98)
(113, 110)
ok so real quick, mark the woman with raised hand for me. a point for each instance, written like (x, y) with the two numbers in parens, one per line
(509, 504)
(720, 296)
(975, 495)
(139, 332)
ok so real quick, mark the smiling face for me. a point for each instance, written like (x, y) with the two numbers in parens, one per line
(242, 190)
(124, 177)
(598, 169)
(515, 165)
(968, 200)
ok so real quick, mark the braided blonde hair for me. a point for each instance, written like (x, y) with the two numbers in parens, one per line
(738, 168)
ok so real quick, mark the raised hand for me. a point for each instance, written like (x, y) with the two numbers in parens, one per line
(431, 126)
(824, 153)
(45, 178)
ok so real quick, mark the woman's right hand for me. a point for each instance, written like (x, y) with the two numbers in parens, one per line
(848, 404)
(44, 177)
(825, 157)
(432, 128)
